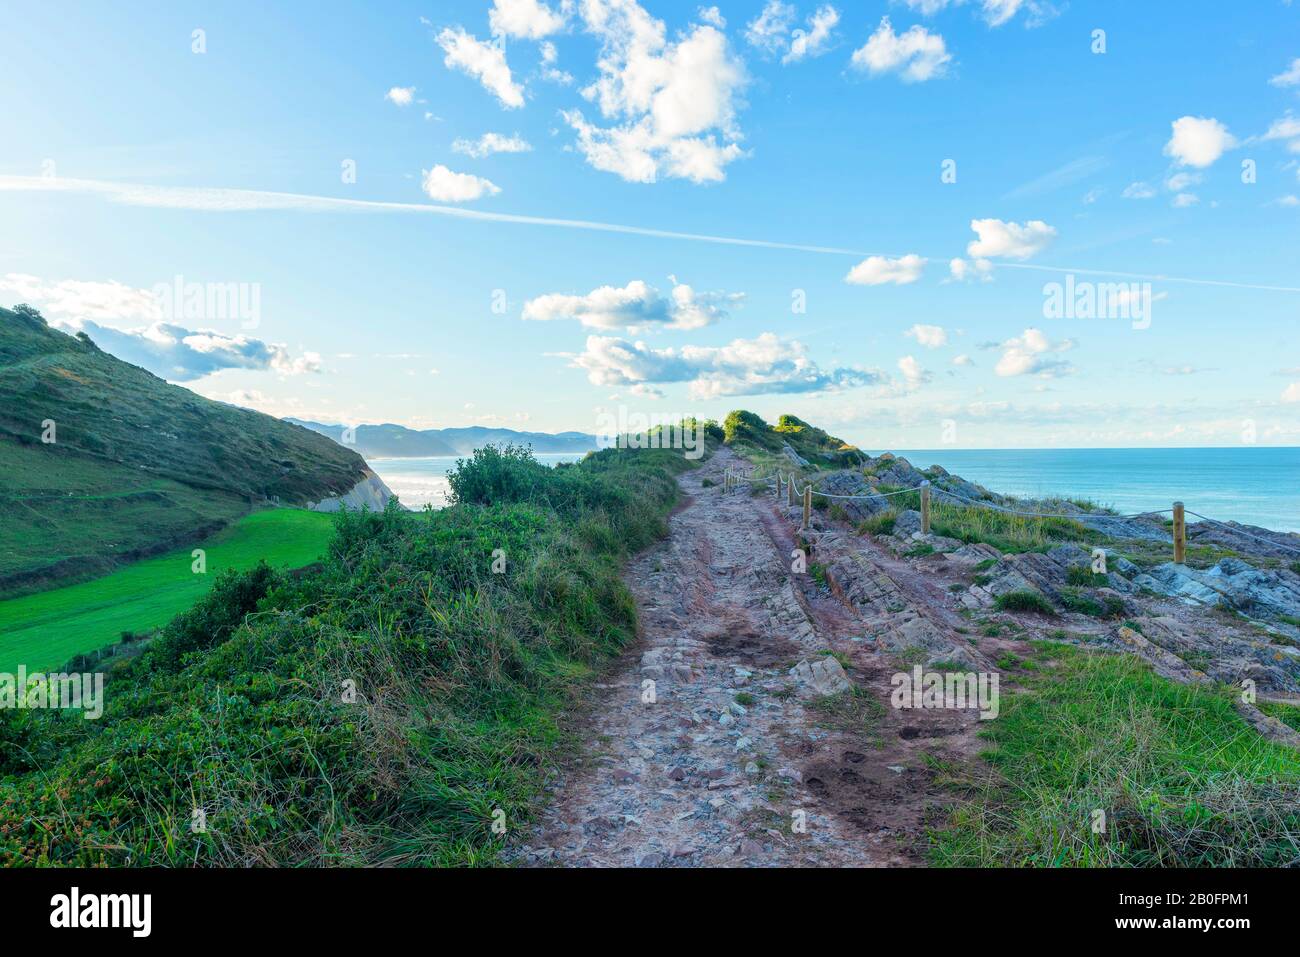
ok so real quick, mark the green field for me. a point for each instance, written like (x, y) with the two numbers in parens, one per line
(45, 630)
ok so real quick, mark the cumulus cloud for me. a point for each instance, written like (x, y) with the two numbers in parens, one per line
(446, 186)
(401, 95)
(1288, 77)
(526, 19)
(1138, 191)
(181, 355)
(80, 299)
(550, 71)
(1286, 128)
(759, 366)
(932, 337)
(1180, 181)
(998, 12)
(672, 103)
(490, 143)
(916, 55)
(484, 62)
(1009, 240)
(913, 374)
(813, 41)
(1198, 141)
(1291, 393)
(635, 307)
(879, 270)
(963, 360)
(1032, 353)
(768, 31)
(714, 16)
(771, 31)
(961, 270)
(1183, 200)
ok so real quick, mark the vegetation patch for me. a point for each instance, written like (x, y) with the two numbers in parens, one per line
(1180, 778)
(1024, 600)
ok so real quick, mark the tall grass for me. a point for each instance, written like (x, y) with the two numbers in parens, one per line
(1179, 778)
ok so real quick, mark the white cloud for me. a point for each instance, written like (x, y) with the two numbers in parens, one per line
(813, 41)
(998, 12)
(81, 299)
(769, 29)
(672, 102)
(635, 307)
(1138, 191)
(1183, 200)
(1288, 77)
(1291, 393)
(932, 337)
(963, 360)
(1032, 354)
(917, 55)
(878, 270)
(913, 374)
(1009, 240)
(490, 143)
(1286, 128)
(446, 186)
(712, 15)
(526, 19)
(401, 95)
(484, 62)
(764, 365)
(551, 72)
(181, 355)
(959, 270)
(1180, 181)
(928, 8)
(1198, 141)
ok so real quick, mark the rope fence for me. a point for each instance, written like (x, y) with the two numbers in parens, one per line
(791, 484)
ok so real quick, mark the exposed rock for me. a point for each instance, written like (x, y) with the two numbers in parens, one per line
(1283, 545)
(370, 493)
(1231, 582)
(823, 675)
(794, 456)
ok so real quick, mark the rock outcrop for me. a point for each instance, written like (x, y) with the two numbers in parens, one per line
(370, 493)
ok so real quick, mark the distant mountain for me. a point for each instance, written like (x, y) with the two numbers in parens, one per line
(102, 462)
(397, 441)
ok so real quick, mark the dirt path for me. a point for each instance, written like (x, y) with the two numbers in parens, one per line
(703, 750)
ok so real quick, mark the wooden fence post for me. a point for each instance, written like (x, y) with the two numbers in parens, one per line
(778, 486)
(789, 488)
(1180, 534)
(807, 505)
(925, 507)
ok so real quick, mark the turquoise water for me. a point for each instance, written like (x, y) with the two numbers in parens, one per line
(423, 481)
(1248, 484)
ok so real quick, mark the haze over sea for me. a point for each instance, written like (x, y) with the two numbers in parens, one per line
(1256, 485)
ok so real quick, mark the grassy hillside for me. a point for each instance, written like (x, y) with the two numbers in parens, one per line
(461, 678)
(44, 630)
(748, 434)
(137, 465)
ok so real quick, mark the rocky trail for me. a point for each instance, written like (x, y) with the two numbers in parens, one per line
(719, 739)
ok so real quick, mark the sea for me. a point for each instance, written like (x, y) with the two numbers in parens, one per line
(1258, 485)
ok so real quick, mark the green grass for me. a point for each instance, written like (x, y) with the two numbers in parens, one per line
(1025, 601)
(1182, 779)
(48, 628)
(463, 679)
(1006, 532)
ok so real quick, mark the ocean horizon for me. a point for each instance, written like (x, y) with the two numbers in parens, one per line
(1256, 485)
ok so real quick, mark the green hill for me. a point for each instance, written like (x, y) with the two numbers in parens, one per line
(137, 466)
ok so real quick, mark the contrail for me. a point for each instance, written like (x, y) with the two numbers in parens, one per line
(225, 200)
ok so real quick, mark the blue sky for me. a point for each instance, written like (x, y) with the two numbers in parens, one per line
(138, 151)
